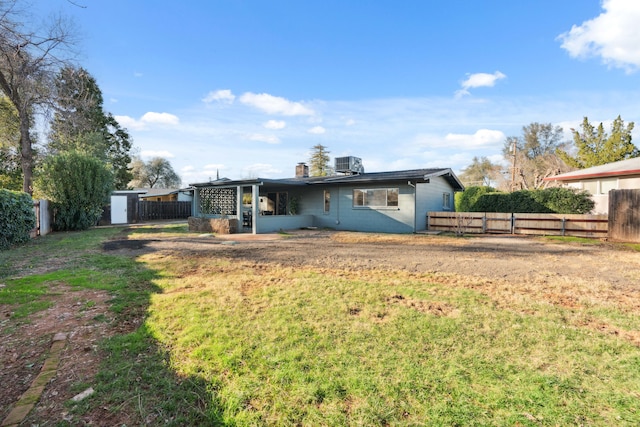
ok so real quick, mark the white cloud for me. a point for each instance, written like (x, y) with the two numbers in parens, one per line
(150, 153)
(260, 170)
(222, 95)
(350, 122)
(479, 80)
(482, 138)
(317, 130)
(188, 168)
(147, 119)
(613, 35)
(275, 124)
(269, 139)
(160, 118)
(137, 74)
(275, 105)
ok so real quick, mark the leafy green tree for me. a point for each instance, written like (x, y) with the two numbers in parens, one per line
(595, 147)
(156, 173)
(481, 172)
(78, 187)
(533, 156)
(319, 161)
(81, 124)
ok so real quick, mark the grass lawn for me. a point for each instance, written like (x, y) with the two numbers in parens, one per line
(230, 342)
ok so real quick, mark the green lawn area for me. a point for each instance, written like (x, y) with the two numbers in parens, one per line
(230, 342)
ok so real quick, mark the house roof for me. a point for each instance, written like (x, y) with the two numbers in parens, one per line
(610, 170)
(419, 175)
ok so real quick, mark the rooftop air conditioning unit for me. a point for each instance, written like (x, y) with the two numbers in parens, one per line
(349, 164)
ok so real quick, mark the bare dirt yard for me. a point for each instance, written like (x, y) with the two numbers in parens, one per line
(505, 268)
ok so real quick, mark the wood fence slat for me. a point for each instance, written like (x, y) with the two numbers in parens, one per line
(520, 223)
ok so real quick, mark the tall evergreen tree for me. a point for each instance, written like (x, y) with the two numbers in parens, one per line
(319, 161)
(80, 123)
(595, 147)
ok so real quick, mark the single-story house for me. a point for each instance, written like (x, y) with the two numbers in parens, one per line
(393, 202)
(166, 194)
(599, 180)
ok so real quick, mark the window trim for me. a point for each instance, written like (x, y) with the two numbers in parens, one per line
(364, 191)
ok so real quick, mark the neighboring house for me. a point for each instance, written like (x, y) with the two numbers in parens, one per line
(393, 202)
(166, 194)
(599, 180)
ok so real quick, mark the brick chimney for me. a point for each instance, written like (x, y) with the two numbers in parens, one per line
(302, 170)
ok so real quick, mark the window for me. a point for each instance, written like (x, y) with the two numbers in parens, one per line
(446, 201)
(608, 184)
(591, 186)
(327, 201)
(274, 204)
(378, 198)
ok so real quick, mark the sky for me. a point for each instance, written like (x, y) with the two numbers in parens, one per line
(245, 88)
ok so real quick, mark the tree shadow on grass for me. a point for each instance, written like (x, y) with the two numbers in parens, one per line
(135, 384)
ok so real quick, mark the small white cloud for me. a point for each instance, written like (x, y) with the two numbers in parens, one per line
(479, 80)
(222, 95)
(150, 154)
(137, 74)
(214, 166)
(317, 130)
(147, 119)
(482, 138)
(188, 168)
(275, 124)
(160, 118)
(613, 36)
(264, 170)
(269, 139)
(350, 122)
(275, 105)
(113, 100)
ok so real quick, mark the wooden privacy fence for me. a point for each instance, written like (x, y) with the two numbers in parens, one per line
(519, 223)
(150, 211)
(624, 215)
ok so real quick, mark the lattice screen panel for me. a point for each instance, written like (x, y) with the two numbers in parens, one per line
(218, 201)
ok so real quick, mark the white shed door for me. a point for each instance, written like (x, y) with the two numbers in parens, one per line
(118, 209)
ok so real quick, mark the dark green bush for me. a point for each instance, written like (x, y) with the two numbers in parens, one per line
(565, 200)
(549, 200)
(17, 218)
(469, 197)
(78, 186)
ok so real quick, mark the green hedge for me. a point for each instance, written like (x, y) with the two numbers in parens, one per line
(17, 218)
(549, 200)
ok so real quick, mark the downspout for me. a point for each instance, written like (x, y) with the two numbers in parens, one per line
(415, 206)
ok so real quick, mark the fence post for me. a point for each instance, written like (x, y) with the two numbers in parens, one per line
(484, 223)
(427, 221)
(513, 223)
(564, 221)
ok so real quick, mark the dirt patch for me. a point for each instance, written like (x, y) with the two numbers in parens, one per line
(85, 317)
(508, 269)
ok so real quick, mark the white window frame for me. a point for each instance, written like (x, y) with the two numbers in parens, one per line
(368, 198)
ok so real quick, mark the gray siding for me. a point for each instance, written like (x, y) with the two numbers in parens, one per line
(429, 199)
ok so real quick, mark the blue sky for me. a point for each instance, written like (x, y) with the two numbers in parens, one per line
(246, 88)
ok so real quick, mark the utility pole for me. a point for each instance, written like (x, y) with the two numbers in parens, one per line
(513, 166)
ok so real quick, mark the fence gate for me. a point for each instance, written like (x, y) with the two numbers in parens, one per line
(624, 215)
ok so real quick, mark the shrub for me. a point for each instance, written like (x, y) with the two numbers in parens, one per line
(468, 198)
(565, 200)
(17, 218)
(78, 186)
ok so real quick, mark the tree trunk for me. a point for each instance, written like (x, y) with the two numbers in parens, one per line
(26, 151)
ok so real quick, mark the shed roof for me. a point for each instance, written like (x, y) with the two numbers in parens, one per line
(621, 168)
